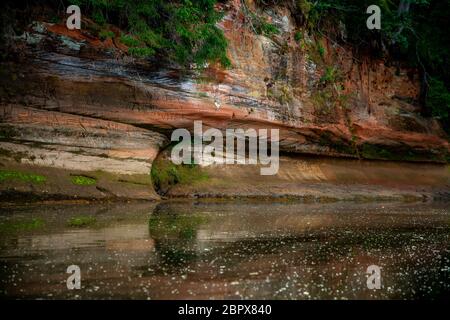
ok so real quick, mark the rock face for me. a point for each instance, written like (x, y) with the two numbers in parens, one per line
(322, 180)
(72, 102)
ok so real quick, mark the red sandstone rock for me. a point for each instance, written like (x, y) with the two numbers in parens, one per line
(79, 97)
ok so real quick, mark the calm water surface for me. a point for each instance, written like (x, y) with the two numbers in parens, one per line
(227, 250)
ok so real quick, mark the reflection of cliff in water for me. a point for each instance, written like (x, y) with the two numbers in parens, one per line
(232, 250)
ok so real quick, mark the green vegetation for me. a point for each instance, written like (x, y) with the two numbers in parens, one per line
(281, 93)
(438, 99)
(265, 28)
(6, 175)
(369, 151)
(331, 76)
(397, 153)
(165, 174)
(83, 180)
(412, 31)
(106, 34)
(329, 95)
(324, 101)
(316, 51)
(175, 226)
(321, 50)
(339, 145)
(21, 225)
(81, 221)
(258, 23)
(184, 31)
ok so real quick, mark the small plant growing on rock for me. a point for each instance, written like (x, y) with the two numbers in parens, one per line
(105, 34)
(81, 221)
(298, 36)
(165, 174)
(21, 225)
(6, 175)
(258, 23)
(83, 180)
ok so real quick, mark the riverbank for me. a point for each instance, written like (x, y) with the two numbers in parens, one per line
(80, 119)
(28, 183)
(323, 179)
(300, 178)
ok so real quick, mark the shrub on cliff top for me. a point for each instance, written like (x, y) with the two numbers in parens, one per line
(414, 31)
(184, 31)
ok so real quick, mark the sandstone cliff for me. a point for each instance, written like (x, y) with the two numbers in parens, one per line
(75, 104)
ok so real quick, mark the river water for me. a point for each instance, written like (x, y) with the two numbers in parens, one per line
(226, 250)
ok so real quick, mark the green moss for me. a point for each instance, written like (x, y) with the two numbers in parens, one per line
(10, 175)
(165, 174)
(81, 221)
(83, 180)
(21, 225)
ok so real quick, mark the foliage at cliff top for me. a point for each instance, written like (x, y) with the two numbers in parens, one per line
(184, 31)
(411, 30)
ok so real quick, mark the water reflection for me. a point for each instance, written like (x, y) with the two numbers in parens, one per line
(224, 250)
